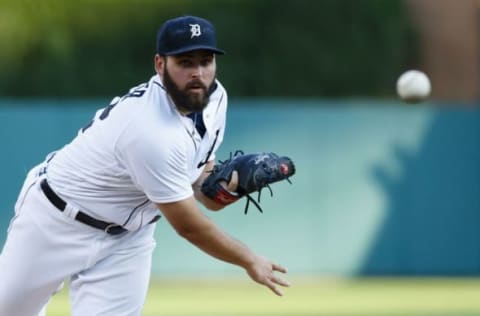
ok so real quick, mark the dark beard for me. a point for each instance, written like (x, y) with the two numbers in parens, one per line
(185, 101)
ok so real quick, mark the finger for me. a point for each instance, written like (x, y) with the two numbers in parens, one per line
(280, 281)
(279, 268)
(274, 288)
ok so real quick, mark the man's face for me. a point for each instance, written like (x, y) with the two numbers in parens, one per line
(188, 78)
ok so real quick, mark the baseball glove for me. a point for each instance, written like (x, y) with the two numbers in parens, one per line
(255, 171)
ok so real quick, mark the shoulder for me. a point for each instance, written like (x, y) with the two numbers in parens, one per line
(219, 93)
(218, 100)
(153, 142)
(152, 120)
(151, 128)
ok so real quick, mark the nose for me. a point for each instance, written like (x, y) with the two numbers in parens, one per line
(197, 72)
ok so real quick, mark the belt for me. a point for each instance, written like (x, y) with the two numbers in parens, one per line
(109, 228)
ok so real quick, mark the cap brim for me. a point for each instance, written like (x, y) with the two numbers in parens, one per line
(194, 47)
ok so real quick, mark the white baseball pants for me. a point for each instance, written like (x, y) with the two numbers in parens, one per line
(109, 275)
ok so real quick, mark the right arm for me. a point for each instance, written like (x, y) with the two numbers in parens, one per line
(190, 223)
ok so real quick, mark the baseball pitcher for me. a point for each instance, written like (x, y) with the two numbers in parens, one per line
(88, 212)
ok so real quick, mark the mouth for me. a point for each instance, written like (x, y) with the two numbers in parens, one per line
(196, 87)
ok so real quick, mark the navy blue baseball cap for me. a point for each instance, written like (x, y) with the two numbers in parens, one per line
(186, 33)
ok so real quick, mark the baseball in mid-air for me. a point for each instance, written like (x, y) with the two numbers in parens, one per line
(413, 86)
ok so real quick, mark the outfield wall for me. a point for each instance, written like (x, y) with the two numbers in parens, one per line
(381, 188)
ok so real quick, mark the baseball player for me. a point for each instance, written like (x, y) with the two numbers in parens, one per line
(88, 212)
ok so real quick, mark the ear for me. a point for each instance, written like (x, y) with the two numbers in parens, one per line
(159, 63)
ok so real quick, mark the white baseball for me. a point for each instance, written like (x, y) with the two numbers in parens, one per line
(413, 86)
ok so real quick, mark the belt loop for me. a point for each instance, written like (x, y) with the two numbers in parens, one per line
(71, 211)
(77, 214)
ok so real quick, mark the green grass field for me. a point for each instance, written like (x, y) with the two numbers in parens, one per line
(412, 297)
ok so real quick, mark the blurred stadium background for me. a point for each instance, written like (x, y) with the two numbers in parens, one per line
(383, 215)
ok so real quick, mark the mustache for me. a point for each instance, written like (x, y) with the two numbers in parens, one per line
(196, 84)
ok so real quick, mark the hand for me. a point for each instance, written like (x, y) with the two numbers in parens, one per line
(261, 271)
(233, 184)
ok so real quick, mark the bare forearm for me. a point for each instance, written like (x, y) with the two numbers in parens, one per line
(218, 244)
(193, 225)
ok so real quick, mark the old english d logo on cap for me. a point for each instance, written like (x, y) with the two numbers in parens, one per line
(186, 33)
(195, 30)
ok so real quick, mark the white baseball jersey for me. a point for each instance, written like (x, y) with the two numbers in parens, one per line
(136, 151)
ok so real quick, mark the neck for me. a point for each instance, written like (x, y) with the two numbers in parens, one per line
(183, 111)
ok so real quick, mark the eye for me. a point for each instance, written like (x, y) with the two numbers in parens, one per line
(185, 62)
(206, 61)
